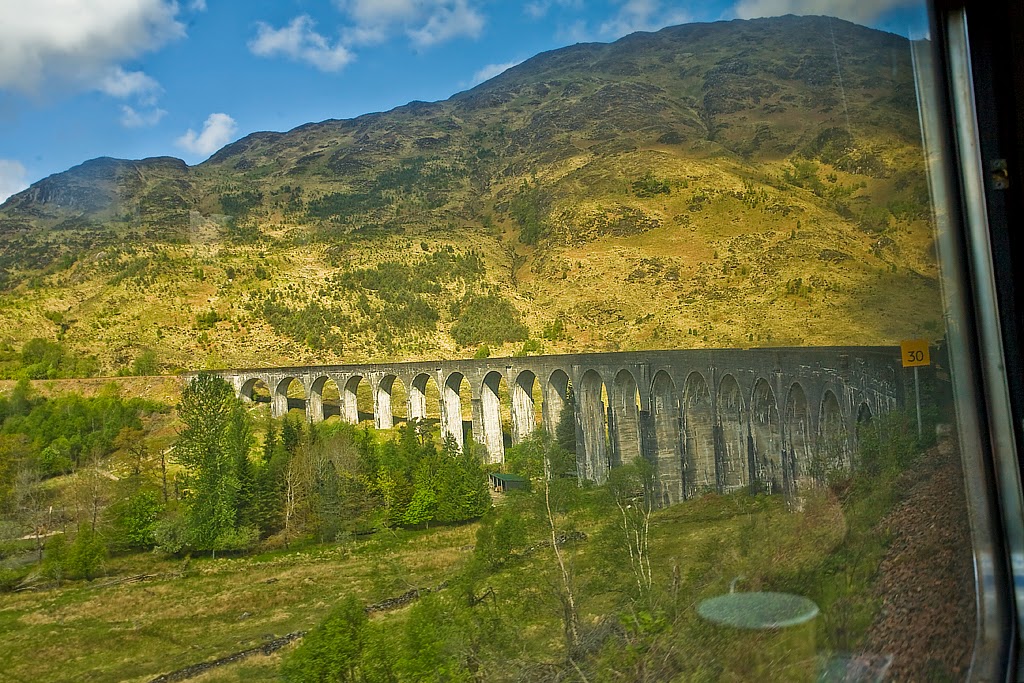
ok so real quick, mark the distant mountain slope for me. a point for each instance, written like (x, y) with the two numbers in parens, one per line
(747, 182)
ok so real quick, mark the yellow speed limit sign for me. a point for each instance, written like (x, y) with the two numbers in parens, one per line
(915, 353)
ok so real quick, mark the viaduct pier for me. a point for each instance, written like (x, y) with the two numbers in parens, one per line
(708, 419)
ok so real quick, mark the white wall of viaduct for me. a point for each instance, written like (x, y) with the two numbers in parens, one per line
(719, 419)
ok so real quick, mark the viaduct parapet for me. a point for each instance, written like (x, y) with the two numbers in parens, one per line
(717, 419)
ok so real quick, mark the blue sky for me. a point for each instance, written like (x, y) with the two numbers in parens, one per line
(137, 78)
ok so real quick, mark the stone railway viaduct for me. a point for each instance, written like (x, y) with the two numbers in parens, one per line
(720, 419)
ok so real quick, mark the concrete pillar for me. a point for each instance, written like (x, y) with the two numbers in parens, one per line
(278, 397)
(554, 399)
(524, 411)
(418, 398)
(315, 406)
(592, 412)
(624, 420)
(451, 408)
(667, 435)
(490, 413)
(731, 456)
(382, 416)
(350, 400)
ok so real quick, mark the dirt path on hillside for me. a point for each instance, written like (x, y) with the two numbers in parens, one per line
(926, 581)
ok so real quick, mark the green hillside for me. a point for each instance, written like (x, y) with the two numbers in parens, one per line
(739, 183)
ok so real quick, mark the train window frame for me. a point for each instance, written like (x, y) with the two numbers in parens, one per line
(967, 90)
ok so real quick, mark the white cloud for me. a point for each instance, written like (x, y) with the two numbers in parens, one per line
(492, 70)
(121, 84)
(298, 41)
(424, 22)
(73, 44)
(13, 178)
(642, 15)
(217, 131)
(197, 5)
(132, 118)
(861, 12)
(446, 23)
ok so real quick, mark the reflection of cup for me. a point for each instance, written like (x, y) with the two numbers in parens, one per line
(770, 635)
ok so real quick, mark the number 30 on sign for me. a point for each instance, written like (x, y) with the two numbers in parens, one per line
(915, 353)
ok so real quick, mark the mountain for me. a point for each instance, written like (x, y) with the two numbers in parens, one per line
(737, 183)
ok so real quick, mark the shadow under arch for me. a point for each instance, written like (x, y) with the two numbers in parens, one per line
(289, 394)
(255, 390)
(734, 463)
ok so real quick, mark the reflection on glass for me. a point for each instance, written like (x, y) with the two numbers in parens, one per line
(591, 372)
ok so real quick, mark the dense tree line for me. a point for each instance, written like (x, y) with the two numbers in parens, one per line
(305, 481)
(42, 358)
(59, 434)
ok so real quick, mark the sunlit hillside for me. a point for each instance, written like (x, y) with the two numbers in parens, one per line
(733, 184)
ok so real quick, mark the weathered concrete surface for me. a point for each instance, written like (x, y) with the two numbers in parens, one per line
(716, 419)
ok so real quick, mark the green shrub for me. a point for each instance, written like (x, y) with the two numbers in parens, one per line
(55, 560)
(487, 319)
(331, 651)
(85, 559)
(135, 520)
(649, 186)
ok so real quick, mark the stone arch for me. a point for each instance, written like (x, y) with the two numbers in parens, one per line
(424, 398)
(289, 393)
(732, 454)
(625, 419)
(832, 452)
(390, 393)
(491, 393)
(667, 456)
(556, 399)
(766, 436)
(452, 421)
(592, 411)
(524, 406)
(255, 390)
(699, 472)
(796, 454)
